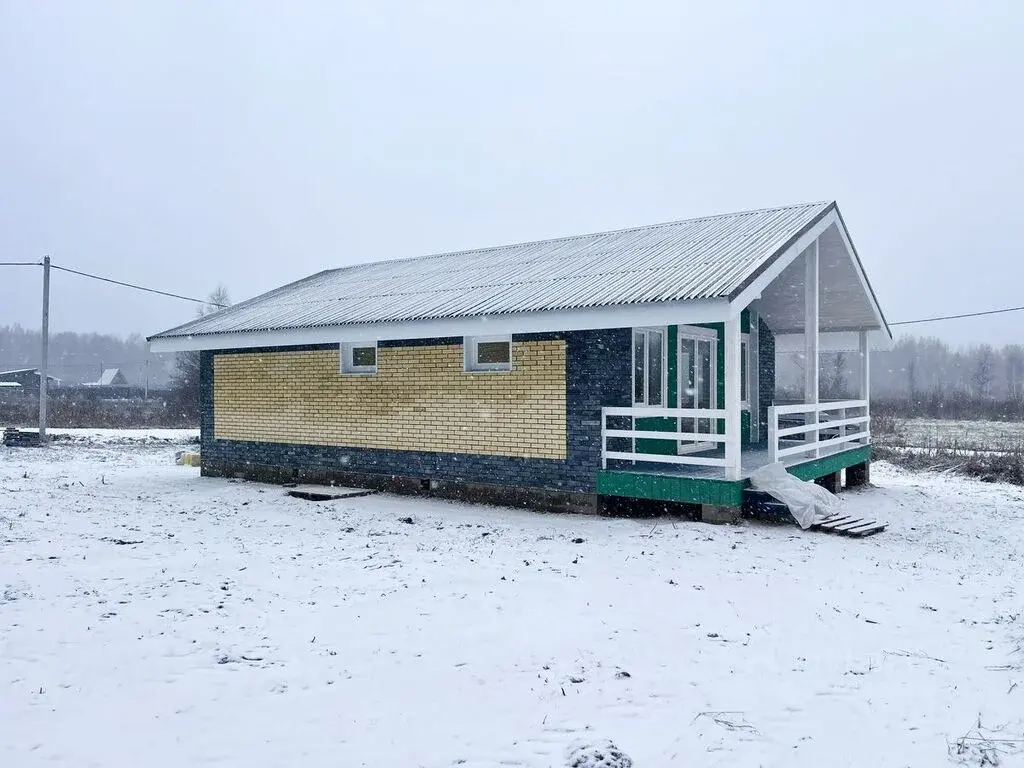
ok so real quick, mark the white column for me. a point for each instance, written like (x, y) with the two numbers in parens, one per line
(865, 367)
(733, 461)
(754, 375)
(865, 378)
(811, 361)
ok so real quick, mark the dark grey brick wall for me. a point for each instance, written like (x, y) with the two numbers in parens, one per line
(598, 374)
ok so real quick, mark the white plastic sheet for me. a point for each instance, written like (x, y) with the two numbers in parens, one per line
(806, 500)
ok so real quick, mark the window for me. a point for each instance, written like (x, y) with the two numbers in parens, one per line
(649, 366)
(744, 377)
(748, 362)
(487, 353)
(359, 357)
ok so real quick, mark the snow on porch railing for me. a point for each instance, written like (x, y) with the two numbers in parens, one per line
(825, 426)
(685, 418)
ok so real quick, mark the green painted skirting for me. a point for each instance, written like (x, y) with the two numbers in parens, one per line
(691, 490)
(826, 465)
(702, 490)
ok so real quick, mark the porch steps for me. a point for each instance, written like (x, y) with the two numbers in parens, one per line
(760, 504)
(846, 525)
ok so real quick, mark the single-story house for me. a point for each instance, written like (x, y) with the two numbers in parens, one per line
(636, 363)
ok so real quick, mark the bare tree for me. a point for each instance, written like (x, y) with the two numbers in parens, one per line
(984, 371)
(1014, 355)
(185, 384)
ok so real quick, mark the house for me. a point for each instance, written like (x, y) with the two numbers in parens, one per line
(636, 363)
(111, 377)
(28, 379)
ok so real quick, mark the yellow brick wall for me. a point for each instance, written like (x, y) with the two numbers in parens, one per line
(419, 400)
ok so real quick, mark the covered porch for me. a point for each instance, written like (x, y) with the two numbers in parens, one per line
(726, 417)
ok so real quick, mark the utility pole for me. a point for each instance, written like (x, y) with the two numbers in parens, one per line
(43, 375)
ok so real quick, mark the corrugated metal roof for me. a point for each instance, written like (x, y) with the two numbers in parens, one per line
(693, 259)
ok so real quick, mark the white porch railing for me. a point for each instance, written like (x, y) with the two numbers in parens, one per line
(826, 426)
(678, 436)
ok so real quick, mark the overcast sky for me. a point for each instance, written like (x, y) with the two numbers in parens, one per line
(183, 144)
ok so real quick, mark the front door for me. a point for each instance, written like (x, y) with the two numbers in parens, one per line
(698, 383)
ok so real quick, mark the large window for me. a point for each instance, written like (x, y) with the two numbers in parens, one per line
(649, 366)
(488, 353)
(359, 358)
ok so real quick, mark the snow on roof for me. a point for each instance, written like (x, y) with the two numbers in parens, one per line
(108, 377)
(699, 258)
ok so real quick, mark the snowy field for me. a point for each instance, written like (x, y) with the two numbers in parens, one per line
(950, 433)
(149, 617)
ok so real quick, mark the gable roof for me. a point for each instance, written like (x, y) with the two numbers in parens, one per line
(109, 378)
(702, 258)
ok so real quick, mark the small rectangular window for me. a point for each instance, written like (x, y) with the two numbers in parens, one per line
(359, 358)
(488, 353)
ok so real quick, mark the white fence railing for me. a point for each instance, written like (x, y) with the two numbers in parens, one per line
(824, 427)
(685, 419)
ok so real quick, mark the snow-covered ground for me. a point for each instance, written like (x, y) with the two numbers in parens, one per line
(949, 433)
(124, 436)
(150, 617)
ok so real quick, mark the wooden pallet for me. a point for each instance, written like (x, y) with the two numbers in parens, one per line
(848, 525)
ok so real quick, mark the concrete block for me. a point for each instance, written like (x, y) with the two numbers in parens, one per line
(830, 482)
(858, 475)
(719, 514)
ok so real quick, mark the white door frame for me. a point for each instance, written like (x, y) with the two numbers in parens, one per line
(693, 333)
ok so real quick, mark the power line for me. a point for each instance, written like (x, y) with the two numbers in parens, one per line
(958, 317)
(215, 304)
(137, 287)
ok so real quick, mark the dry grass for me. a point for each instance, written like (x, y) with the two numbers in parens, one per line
(990, 451)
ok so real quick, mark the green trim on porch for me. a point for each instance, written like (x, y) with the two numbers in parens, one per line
(661, 424)
(826, 465)
(691, 490)
(703, 490)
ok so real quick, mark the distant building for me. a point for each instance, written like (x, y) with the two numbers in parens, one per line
(112, 377)
(27, 379)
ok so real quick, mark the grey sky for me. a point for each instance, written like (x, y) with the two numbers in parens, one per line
(185, 144)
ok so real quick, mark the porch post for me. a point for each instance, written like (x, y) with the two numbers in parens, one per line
(754, 375)
(733, 461)
(811, 361)
(865, 367)
(865, 379)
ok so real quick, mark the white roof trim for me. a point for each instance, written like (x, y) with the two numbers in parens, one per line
(772, 272)
(622, 316)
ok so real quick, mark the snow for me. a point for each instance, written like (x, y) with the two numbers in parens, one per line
(149, 616)
(965, 435)
(125, 436)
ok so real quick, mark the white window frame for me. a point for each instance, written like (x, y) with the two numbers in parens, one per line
(745, 355)
(345, 361)
(663, 330)
(470, 361)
